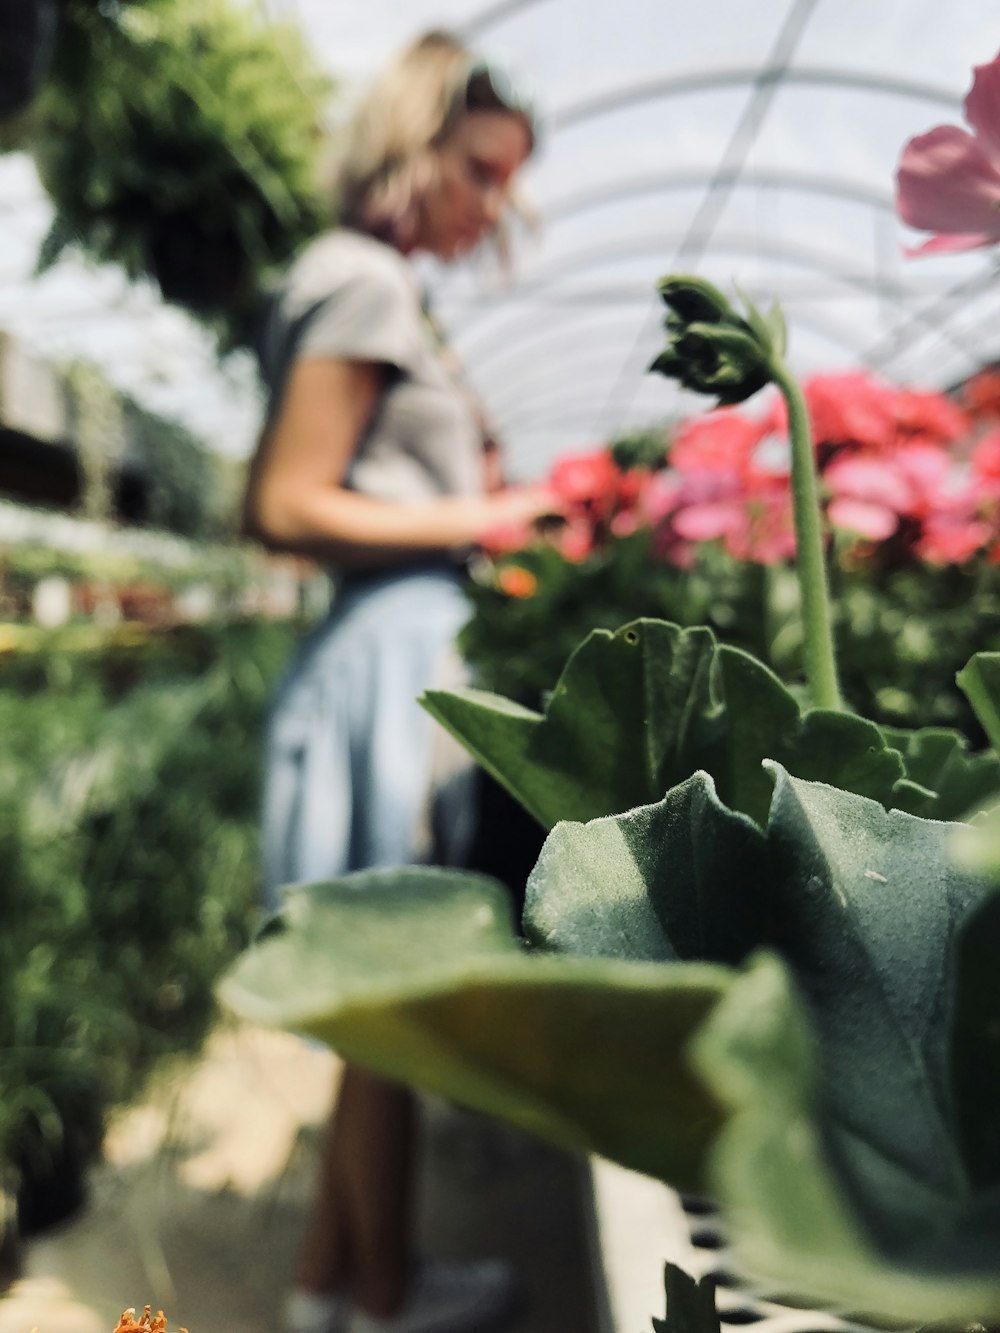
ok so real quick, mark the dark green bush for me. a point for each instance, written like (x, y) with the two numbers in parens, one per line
(128, 817)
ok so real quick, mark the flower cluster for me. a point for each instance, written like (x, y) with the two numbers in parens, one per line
(598, 500)
(905, 475)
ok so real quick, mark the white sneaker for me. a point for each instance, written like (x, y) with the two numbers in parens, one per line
(447, 1298)
(314, 1312)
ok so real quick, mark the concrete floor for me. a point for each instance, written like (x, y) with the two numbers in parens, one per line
(197, 1206)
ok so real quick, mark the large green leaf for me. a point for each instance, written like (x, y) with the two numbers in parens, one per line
(638, 711)
(417, 974)
(794, 1217)
(886, 1120)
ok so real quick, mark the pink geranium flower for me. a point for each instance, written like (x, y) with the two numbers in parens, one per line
(948, 180)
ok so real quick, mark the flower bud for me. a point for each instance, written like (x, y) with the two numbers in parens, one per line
(710, 348)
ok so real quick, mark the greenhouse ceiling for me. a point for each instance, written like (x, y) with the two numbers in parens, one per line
(753, 143)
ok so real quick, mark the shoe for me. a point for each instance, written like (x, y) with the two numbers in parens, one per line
(314, 1312)
(447, 1298)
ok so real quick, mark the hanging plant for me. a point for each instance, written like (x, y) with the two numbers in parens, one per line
(181, 139)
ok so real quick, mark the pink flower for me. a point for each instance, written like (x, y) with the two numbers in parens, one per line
(948, 180)
(986, 462)
(719, 441)
(586, 479)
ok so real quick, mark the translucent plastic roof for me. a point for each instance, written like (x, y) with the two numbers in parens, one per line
(752, 142)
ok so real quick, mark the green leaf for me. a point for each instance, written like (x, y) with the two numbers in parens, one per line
(417, 974)
(629, 716)
(690, 1303)
(863, 1088)
(794, 1217)
(636, 712)
(975, 1041)
(844, 1165)
(979, 679)
(764, 721)
(948, 780)
(685, 878)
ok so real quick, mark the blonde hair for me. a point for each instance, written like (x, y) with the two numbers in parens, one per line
(388, 157)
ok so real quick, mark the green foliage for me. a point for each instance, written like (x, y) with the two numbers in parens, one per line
(418, 974)
(128, 813)
(901, 635)
(833, 1052)
(640, 710)
(849, 1027)
(640, 449)
(180, 139)
(518, 646)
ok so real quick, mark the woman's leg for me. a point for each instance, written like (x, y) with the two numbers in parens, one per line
(359, 1234)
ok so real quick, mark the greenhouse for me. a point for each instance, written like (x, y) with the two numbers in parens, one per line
(500, 666)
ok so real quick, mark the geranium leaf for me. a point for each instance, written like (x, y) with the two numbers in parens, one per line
(628, 718)
(636, 712)
(794, 1218)
(764, 721)
(855, 1133)
(975, 1046)
(980, 681)
(685, 878)
(417, 974)
(948, 780)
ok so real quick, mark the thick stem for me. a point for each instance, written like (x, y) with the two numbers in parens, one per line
(817, 633)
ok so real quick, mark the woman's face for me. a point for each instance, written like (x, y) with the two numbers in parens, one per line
(474, 169)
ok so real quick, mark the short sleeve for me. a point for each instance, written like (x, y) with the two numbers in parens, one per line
(370, 314)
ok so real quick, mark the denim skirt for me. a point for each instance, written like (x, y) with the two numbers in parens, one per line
(357, 774)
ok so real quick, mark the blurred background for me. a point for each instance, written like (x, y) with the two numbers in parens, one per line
(160, 160)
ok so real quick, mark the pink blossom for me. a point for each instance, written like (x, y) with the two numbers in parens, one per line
(948, 180)
(707, 522)
(872, 480)
(874, 521)
(719, 441)
(951, 539)
(588, 479)
(986, 462)
(575, 541)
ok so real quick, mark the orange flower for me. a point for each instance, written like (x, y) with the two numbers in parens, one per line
(516, 581)
(156, 1324)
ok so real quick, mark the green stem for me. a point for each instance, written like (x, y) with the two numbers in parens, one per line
(817, 634)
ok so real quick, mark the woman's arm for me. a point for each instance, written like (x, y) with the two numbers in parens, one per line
(296, 500)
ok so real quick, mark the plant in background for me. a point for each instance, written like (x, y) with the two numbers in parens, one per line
(181, 139)
(128, 813)
(909, 485)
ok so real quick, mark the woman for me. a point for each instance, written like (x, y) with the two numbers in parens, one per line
(372, 460)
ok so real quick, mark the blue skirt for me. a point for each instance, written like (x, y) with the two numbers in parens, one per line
(357, 774)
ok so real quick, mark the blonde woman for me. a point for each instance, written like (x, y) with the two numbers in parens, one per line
(373, 461)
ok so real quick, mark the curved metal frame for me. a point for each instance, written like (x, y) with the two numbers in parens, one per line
(655, 243)
(513, 386)
(637, 247)
(698, 81)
